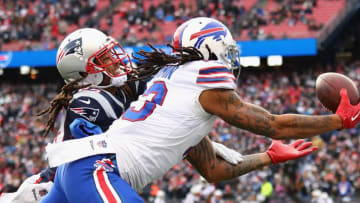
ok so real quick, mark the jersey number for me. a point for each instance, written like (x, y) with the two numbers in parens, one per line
(153, 96)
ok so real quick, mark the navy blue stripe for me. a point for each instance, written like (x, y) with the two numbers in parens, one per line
(214, 70)
(118, 110)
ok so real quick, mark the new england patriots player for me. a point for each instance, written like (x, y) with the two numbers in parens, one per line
(89, 57)
(101, 84)
(155, 132)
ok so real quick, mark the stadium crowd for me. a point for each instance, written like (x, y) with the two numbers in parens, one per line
(288, 11)
(41, 25)
(332, 173)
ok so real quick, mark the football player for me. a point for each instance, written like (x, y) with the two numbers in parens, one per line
(177, 111)
(101, 84)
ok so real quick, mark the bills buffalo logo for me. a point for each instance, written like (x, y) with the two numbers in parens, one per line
(213, 29)
(105, 164)
(73, 47)
(89, 113)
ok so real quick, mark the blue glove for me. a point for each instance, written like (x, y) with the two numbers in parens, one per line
(82, 128)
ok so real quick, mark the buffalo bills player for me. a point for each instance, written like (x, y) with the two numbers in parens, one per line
(89, 57)
(155, 132)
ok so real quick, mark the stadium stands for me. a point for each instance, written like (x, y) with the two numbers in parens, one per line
(138, 22)
(291, 19)
(39, 25)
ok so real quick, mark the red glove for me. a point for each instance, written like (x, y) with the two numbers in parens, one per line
(280, 152)
(349, 114)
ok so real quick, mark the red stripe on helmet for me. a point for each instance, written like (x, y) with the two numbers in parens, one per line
(177, 34)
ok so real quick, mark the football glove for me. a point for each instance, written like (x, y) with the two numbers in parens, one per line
(349, 114)
(227, 154)
(280, 152)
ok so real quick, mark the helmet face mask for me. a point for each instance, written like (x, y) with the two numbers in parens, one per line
(231, 56)
(91, 51)
(203, 32)
(111, 55)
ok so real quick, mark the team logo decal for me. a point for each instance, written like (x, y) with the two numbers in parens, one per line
(5, 59)
(105, 164)
(72, 47)
(213, 29)
(89, 113)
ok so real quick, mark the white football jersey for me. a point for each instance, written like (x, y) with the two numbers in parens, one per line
(166, 121)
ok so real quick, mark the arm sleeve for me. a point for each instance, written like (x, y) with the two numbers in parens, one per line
(47, 175)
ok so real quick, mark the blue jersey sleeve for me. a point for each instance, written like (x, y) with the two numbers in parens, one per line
(94, 105)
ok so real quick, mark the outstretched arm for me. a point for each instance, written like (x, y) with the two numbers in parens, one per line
(215, 169)
(227, 105)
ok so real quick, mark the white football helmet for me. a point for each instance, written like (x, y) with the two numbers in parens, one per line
(201, 31)
(83, 51)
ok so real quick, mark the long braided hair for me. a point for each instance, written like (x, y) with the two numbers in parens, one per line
(60, 101)
(152, 62)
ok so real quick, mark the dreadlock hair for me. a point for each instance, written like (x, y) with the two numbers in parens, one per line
(60, 101)
(152, 62)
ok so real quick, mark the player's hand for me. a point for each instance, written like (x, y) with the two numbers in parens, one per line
(280, 152)
(349, 114)
(227, 154)
(28, 192)
(82, 128)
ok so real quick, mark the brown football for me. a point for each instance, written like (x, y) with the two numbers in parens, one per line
(328, 86)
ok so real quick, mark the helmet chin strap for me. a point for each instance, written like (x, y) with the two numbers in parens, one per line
(118, 81)
(238, 74)
(114, 82)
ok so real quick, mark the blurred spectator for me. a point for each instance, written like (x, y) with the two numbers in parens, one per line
(217, 197)
(344, 188)
(194, 195)
(266, 190)
(160, 197)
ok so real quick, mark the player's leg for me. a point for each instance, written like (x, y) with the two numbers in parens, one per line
(56, 194)
(123, 189)
(95, 179)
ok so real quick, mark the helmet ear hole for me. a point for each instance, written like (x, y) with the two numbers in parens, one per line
(213, 56)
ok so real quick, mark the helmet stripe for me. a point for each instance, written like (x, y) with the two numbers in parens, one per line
(178, 37)
(60, 56)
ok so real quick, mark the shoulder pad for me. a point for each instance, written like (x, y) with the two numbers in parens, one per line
(214, 74)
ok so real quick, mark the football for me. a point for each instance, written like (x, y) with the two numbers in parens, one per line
(328, 86)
